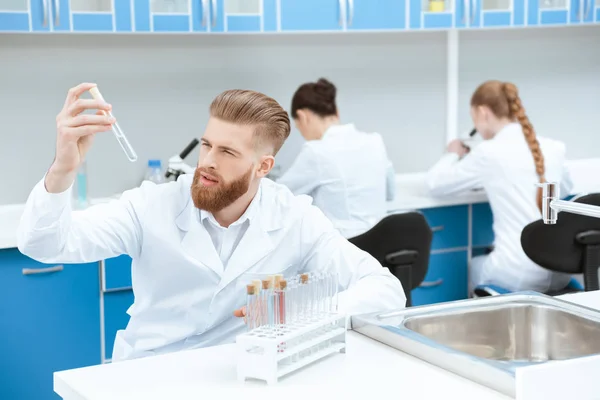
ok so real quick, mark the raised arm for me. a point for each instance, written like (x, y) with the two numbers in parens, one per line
(452, 175)
(49, 230)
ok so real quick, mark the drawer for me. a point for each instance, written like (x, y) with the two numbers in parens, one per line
(446, 279)
(117, 273)
(116, 318)
(450, 226)
(483, 221)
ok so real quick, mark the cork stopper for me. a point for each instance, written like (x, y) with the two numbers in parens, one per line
(266, 284)
(304, 278)
(250, 289)
(282, 284)
(96, 93)
(257, 284)
(278, 279)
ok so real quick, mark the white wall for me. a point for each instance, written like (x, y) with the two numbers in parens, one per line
(161, 86)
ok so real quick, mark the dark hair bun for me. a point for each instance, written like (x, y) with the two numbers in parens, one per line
(326, 89)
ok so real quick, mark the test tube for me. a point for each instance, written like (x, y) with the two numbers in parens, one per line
(121, 138)
(250, 301)
(267, 305)
(258, 304)
(281, 311)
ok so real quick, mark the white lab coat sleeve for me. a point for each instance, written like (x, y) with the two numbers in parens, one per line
(51, 232)
(364, 284)
(390, 180)
(302, 177)
(566, 183)
(451, 175)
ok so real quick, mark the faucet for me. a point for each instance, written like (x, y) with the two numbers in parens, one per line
(552, 205)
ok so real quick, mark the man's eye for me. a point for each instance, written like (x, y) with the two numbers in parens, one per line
(228, 152)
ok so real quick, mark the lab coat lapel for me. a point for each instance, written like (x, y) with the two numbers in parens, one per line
(196, 241)
(255, 245)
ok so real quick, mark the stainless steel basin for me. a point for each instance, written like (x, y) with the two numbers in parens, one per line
(486, 339)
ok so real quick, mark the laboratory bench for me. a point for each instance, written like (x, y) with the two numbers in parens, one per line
(366, 366)
(60, 317)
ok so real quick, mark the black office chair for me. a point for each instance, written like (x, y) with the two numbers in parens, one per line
(571, 246)
(402, 243)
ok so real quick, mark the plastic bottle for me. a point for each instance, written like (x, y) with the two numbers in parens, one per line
(155, 173)
(80, 187)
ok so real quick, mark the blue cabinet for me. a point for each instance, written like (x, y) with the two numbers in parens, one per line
(376, 14)
(482, 221)
(450, 226)
(117, 273)
(312, 15)
(446, 279)
(248, 16)
(50, 322)
(116, 318)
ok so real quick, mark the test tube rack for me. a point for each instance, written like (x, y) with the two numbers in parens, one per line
(267, 354)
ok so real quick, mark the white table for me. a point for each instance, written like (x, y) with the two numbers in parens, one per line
(367, 364)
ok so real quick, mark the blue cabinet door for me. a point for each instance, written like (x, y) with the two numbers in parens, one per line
(446, 279)
(170, 16)
(117, 273)
(553, 12)
(238, 15)
(101, 16)
(436, 14)
(14, 16)
(482, 229)
(312, 15)
(116, 318)
(41, 15)
(50, 322)
(450, 226)
(498, 13)
(376, 14)
(582, 12)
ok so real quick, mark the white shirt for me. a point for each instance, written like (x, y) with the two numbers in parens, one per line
(504, 167)
(184, 298)
(348, 175)
(225, 239)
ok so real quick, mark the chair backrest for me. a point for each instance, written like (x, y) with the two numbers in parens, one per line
(395, 237)
(562, 247)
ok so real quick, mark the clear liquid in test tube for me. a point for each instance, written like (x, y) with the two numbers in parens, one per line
(119, 135)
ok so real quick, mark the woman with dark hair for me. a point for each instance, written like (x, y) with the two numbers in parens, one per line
(507, 164)
(346, 171)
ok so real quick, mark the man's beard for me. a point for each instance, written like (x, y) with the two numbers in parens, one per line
(214, 199)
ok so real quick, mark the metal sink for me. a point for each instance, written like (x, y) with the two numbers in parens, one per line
(486, 339)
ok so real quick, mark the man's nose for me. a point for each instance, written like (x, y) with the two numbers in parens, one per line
(207, 161)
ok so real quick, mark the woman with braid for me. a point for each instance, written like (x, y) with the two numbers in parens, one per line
(507, 164)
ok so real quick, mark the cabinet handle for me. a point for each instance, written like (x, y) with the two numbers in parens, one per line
(57, 17)
(35, 271)
(341, 21)
(581, 8)
(587, 9)
(432, 283)
(466, 11)
(350, 12)
(437, 228)
(214, 13)
(204, 11)
(473, 7)
(45, 6)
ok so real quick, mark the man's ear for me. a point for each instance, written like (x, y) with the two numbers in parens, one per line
(265, 166)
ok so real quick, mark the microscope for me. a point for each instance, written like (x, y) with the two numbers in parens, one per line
(176, 166)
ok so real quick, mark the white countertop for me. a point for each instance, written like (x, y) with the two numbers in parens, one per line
(192, 374)
(411, 194)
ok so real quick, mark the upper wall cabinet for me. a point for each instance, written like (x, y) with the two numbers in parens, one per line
(255, 16)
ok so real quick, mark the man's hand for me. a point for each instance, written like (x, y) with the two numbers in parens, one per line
(75, 132)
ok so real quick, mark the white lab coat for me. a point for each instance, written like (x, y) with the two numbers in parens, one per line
(504, 167)
(184, 297)
(348, 175)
